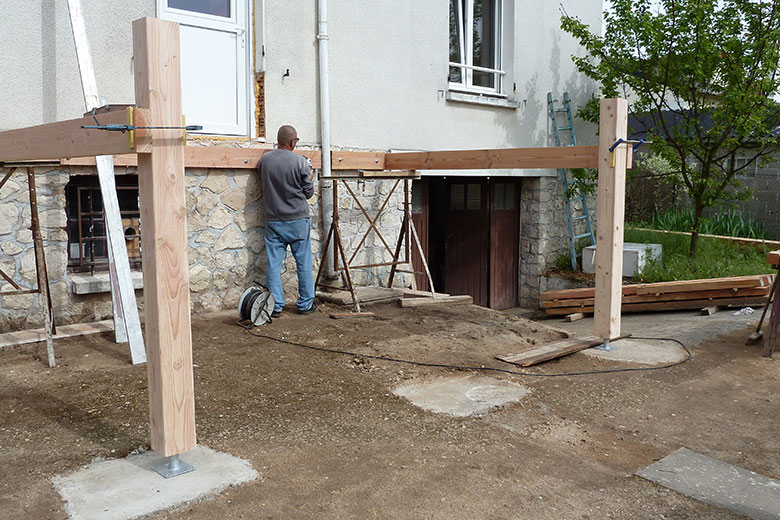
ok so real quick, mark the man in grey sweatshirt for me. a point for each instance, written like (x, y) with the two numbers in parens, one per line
(287, 184)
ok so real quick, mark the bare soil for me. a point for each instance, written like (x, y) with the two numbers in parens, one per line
(330, 440)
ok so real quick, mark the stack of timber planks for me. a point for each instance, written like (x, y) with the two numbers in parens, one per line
(688, 294)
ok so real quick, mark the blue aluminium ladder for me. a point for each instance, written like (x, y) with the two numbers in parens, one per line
(572, 192)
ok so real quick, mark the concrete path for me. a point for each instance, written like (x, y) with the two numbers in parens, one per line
(121, 489)
(717, 483)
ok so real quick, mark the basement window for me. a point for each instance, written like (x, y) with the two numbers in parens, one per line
(87, 241)
(475, 46)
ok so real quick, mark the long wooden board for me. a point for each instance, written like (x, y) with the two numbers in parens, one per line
(426, 302)
(649, 298)
(506, 158)
(216, 157)
(22, 337)
(553, 350)
(68, 139)
(663, 306)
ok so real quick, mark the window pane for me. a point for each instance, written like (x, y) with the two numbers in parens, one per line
(485, 32)
(473, 197)
(511, 196)
(456, 31)
(213, 7)
(457, 197)
(417, 197)
(498, 196)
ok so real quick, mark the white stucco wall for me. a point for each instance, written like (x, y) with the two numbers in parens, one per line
(39, 77)
(388, 67)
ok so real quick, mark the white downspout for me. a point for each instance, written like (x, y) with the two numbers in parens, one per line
(326, 200)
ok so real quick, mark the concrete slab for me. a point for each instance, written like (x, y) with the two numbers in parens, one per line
(641, 351)
(127, 488)
(462, 396)
(718, 483)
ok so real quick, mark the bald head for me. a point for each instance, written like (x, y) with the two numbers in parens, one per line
(287, 137)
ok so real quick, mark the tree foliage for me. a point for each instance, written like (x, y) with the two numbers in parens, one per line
(702, 73)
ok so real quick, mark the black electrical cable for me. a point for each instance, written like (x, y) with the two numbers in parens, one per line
(688, 357)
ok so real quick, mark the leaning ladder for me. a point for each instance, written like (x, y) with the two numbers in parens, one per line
(572, 193)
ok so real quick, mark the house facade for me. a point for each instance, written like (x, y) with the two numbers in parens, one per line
(437, 75)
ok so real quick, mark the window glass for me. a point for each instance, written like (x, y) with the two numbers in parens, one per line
(212, 7)
(498, 195)
(417, 197)
(511, 196)
(457, 197)
(456, 42)
(473, 197)
(484, 49)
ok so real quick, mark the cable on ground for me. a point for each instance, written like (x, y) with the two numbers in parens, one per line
(688, 357)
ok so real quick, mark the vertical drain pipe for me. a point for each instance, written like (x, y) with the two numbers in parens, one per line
(326, 203)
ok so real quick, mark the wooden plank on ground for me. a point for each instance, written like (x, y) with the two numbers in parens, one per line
(613, 121)
(67, 139)
(347, 315)
(549, 351)
(773, 258)
(649, 298)
(584, 292)
(663, 306)
(506, 158)
(364, 295)
(164, 240)
(574, 317)
(22, 337)
(424, 302)
(761, 280)
(415, 292)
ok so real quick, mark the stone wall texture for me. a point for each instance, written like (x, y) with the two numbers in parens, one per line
(225, 234)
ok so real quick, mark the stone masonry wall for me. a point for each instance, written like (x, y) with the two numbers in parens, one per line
(225, 236)
(544, 234)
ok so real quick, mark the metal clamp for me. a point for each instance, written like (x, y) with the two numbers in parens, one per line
(620, 141)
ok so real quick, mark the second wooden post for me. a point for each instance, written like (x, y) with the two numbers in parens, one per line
(613, 123)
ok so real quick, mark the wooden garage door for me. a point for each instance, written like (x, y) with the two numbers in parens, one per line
(504, 242)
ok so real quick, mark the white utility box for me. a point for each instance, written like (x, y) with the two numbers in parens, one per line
(635, 256)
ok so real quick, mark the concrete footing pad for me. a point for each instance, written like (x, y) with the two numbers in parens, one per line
(127, 488)
(645, 352)
(718, 483)
(462, 396)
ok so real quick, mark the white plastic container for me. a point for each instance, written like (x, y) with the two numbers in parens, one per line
(635, 256)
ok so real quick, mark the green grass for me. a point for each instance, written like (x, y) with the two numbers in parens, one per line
(730, 223)
(714, 259)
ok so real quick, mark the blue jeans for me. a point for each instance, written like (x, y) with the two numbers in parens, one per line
(297, 234)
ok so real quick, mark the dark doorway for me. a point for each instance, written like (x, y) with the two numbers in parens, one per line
(472, 228)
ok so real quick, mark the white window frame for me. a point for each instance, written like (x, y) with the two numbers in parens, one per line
(466, 45)
(246, 78)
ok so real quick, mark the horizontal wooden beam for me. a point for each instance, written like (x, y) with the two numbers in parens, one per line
(68, 139)
(507, 158)
(221, 157)
(357, 160)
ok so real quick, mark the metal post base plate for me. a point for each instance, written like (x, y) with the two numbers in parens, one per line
(174, 467)
(607, 346)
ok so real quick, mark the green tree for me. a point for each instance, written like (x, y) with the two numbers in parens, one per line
(703, 73)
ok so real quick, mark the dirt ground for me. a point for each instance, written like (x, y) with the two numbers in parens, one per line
(330, 440)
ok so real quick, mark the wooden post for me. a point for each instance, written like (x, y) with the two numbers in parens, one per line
(44, 298)
(164, 239)
(613, 124)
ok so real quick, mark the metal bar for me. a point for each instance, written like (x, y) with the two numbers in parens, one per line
(476, 68)
(9, 280)
(40, 268)
(408, 213)
(7, 176)
(335, 221)
(424, 261)
(340, 248)
(404, 230)
(324, 254)
(371, 223)
(24, 291)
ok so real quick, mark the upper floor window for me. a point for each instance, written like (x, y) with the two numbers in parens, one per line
(475, 46)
